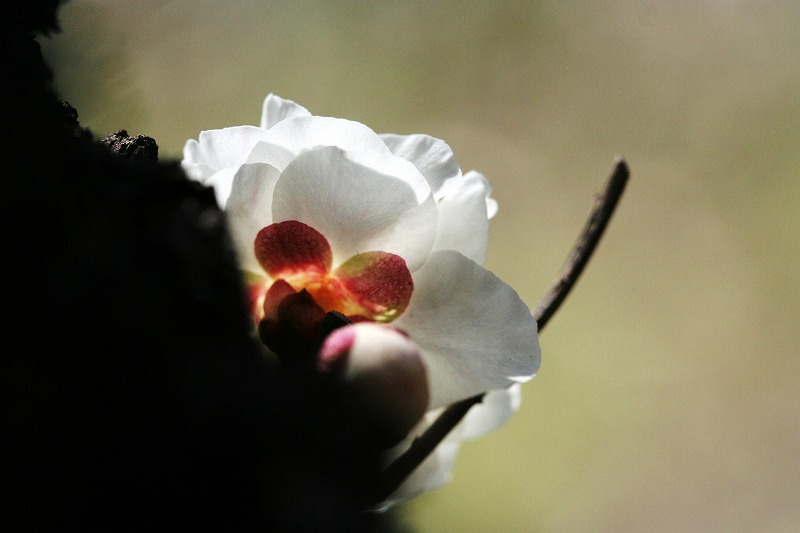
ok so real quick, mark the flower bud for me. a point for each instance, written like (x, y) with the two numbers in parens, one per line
(382, 377)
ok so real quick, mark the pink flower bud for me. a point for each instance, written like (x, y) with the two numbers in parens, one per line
(383, 377)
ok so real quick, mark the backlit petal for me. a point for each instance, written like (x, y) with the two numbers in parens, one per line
(222, 182)
(436, 470)
(304, 133)
(491, 203)
(475, 333)
(249, 209)
(216, 150)
(432, 156)
(276, 109)
(272, 154)
(495, 409)
(463, 220)
(356, 207)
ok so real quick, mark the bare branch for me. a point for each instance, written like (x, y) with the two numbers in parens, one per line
(604, 206)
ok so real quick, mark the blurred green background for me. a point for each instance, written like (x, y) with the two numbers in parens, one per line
(669, 394)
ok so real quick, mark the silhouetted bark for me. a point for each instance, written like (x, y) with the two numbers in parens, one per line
(138, 396)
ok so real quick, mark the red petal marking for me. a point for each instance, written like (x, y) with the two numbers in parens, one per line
(374, 285)
(291, 247)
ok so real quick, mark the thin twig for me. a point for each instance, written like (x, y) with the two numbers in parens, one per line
(605, 204)
(584, 247)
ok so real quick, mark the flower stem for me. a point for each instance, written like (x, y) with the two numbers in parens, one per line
(604, 206)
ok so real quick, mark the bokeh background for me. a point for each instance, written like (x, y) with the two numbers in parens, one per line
(669, 394)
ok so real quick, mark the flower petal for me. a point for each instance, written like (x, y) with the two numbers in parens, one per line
(222, 182)
(304, 133)
(287, 248)
(249, 209)
(463, 219)
(432, 156)
(216, 150)
(435, 471)
(474, 331)
(276, 109)
(357, 208)
(496, 408)
(271, 154)
(491, 203)
(378, 283)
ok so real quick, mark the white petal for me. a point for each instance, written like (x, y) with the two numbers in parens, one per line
(219, 149)
(496, 408)
(491, 203)
(221, 182)
(475, 333)
(432, 156)
(463, 219)
(359, 208)
(196, 171)
(276, 109)
(249, 209)
(305, 133)
(271, 154)
(194, 162)
(435, 471)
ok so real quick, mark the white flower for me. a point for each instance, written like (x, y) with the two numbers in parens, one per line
(382, 228)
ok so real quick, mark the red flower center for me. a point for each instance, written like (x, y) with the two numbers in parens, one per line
(373, 286)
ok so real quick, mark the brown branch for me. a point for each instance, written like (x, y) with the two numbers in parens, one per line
(605, 204)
